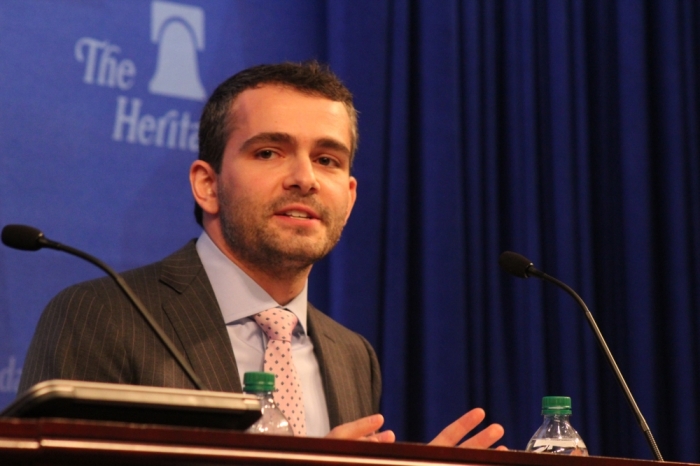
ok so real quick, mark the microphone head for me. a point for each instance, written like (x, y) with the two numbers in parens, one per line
(515, 264)
(22, 237)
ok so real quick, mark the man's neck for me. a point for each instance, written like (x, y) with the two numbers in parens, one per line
(282, 285)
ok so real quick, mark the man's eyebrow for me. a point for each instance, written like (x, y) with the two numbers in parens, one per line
(327, 143)
(266, 138)
(262, 138)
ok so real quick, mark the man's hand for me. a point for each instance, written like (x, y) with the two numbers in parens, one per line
(455, 432)
(365, 428)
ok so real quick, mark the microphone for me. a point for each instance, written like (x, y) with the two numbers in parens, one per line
(521, 267)
(28, 238)
(23, 237)
(515, 264)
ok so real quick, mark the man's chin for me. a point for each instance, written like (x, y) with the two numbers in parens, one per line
(302, 255)
(302, 250)
(299, 238)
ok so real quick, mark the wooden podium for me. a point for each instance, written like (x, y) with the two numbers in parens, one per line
(66, 442)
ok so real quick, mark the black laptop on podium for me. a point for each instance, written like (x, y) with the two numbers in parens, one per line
(74, 399)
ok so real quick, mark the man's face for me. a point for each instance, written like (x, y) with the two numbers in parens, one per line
(285, 190)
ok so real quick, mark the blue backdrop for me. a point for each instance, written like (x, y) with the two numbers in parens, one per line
(566, 130)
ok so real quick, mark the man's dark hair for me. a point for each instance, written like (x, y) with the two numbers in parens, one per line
(216, 123)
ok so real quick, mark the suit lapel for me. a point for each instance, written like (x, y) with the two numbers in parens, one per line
(197, 320)
(329, 358)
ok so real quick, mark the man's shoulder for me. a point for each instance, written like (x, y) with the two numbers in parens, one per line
(176, 270)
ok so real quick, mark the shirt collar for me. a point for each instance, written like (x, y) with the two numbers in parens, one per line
(238, 295)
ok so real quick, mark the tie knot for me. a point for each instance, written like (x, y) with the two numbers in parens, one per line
(278, 324)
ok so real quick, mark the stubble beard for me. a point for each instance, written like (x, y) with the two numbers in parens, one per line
(248, 233)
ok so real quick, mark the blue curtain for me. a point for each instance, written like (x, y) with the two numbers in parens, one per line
(564, 130)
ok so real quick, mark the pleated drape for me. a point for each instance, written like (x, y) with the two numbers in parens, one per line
(564, 130)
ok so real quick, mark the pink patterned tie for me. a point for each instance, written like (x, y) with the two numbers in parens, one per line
(278, 325)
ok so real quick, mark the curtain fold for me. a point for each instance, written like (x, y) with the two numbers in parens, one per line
(567, 131)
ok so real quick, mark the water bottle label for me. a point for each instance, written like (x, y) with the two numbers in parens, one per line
(559, 446)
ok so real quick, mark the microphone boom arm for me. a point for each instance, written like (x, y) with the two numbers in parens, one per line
(531, 270)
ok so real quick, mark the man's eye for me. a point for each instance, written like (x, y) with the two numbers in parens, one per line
(265, 154)
(327, 161)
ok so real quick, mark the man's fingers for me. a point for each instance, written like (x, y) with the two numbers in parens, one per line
(452, 434)
(386, 436)
(362, 429)
(485, 438)
(367, 429)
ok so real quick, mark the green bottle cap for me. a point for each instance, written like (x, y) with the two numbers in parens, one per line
(556, 405)
(258, 382)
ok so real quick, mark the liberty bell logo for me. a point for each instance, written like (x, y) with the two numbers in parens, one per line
(179, 32)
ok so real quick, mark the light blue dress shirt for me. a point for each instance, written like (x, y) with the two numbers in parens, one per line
(239, 298)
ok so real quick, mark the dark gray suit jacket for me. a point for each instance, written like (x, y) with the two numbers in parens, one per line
(91, 332)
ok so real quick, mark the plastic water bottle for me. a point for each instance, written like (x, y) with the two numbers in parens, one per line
(556, 435)
(272, 421)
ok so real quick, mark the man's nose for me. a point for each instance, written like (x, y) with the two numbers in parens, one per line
(301, 175)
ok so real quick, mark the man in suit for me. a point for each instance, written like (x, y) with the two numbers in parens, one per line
(273, 191)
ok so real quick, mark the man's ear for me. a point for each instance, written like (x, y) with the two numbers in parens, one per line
(203, 181)
(353, 196)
